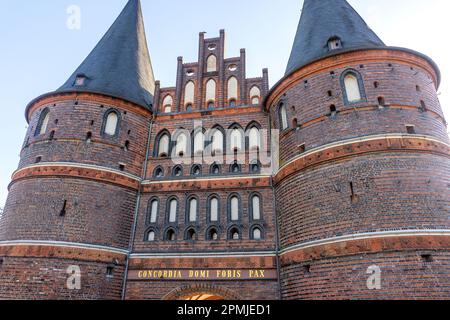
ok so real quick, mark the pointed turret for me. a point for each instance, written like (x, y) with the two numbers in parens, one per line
(327, 27)
(120, 64)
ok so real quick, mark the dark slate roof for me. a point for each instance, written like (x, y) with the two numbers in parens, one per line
(120, 64)
(325, 19)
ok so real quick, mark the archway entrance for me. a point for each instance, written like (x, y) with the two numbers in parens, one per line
(201, 293)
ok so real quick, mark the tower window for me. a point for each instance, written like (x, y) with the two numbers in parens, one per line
(256, 234)
(159, 173)
(215, 169)
(376, 84)
(193, 210)
(417, 88)
(255, 95)
(234, 208)
(352, 86)
(210, 92)
(89, 137)
(196, 170)
(232, 103)
(232, 89)
(333, 109)
(381, 101)
(334, 43)
(52, 135)
(423, 106)
(256, 207)
(189, 108)
(213, 235)
(170, 235)
(283, 117)
(62, 213)
(294, 123)
(235, 168)
(189, 93)
(191, 235)
(234, 234)
(43, 122)
(178, 171)
(111, 122)
(38, 159)
(80, 81)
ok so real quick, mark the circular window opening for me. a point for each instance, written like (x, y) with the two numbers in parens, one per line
(232, 67)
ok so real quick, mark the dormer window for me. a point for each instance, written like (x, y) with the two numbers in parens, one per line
(334, 43)
(80, 80)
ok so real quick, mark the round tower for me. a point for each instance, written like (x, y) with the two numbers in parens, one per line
(363, 192)
(66, 228)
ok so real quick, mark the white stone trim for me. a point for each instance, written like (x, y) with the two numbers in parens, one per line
(368, 235)
(77, 165)
(61, 244)
(362, 139)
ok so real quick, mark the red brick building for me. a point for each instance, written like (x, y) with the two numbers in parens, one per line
(334, 184)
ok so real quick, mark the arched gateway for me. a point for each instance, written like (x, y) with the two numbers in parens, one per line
(201, 292)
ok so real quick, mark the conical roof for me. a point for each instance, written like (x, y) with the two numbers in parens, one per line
(322, 20)
(120, 64)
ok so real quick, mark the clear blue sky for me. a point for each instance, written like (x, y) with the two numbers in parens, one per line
(38, 52)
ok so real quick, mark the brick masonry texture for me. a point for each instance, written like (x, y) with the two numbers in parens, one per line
(95, 190)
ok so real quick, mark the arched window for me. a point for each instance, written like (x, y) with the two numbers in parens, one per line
(151, 236)
(217, 142)
(255, 207)
(234, 234)
(154, 207)
(189, 93)
(283, 117)
(167, 104)
(177, 171)
(44, 118)
(196, 170)
(189, 108)
(171, 235)
(254, 139)
(256, 233)
(191, 235)
(211, 63)
(199, 142)
(235, 168)
(236, 138)
(255, 166)
(210, 91)
(158, 173)
(232, 89)
(111, 123)
(173, 210)
(234, 208)
(352, 88)
(255, 95)
(193, 210)
(181, 145)
(163, 146)
(213, 209)
(213, 234)
(215, 169)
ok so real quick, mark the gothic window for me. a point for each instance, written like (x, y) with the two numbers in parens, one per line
(110, 126)
(217, 142)
(255, 166)
(158, 173)
(234, 234)
(173, 210)
(255, 95)
(210, 92)
(255, 208)
(199, 142)
(189, 93)
(213, 209)
(234, 208)
(256, 233)
(193, 209)
(211, 63)
(151, 236)
(254, 139)
(153, 210)
(177, 171)
(235, 168)
(191, 235)
(213, 234)
(163, 145)
(232, 89)
(283, 117)
(236, 139)
(167, 104)
(352, 86)
(171, 235)
(215, 169)
(196, 170)
(181, 145)
(43, 122)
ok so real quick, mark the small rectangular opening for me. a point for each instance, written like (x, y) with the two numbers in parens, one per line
(307, 268)
(410, 129)
(110, 271)
(302, 148)
(62, 213)
(121, 167)
(38, 159)
(427, 258)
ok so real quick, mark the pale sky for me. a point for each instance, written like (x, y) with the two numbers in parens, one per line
(38, 51)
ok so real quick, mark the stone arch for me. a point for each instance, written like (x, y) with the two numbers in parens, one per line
(185, 292)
